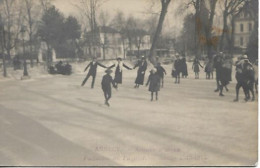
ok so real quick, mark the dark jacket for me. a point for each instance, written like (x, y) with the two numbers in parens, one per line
(142, 66)
(177, 65)
(154, 81)
(106, 82)
(93, 67)
(161, 71)
(118, 73)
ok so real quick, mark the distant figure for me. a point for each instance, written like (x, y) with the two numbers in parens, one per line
(67, 69)
(92, 71)
(184, 69)
(142, 66)
(106, 85)
(209, 69)
(217, 65)
(177, 69)
(161, 72)
(154, 83)
(196, 67)
(118, 73)
(59, 67)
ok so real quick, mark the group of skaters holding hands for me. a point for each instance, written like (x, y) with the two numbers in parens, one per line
(222, 63)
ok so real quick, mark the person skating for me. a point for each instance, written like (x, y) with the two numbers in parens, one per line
(161, 72)
(249, 75)
(240, 77)
(224, 75)
(177, 68)
(209, 69)
(142, 66)
(106, 86)
(184, 68)
(217, 65)
(196, 67)
(154, 83)
(118, 72)
(92, 71)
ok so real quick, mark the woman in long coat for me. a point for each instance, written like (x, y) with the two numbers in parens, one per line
(196, 67)
(142, 66)
(224, 75)
(118, 72)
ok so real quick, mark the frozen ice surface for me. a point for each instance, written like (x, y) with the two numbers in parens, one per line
(50, 120)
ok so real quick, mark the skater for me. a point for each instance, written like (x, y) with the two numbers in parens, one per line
(142, 66)
(161, 72)
(184, 70)
(196, 68)
(106, 85)
(209, 69)
(240, 77)
(92, 71)
(224, 75)
(177, 69)
(217, 65)
(154, 81)
(118, 73)
(249, 75)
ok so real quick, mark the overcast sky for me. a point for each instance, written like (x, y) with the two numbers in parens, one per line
(137, 8)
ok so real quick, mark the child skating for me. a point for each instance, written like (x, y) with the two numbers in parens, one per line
(154, 81)
(106, 85)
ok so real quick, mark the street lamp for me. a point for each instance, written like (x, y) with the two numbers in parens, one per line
(25, 72)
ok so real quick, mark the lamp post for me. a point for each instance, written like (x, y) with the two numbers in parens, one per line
(25, 72)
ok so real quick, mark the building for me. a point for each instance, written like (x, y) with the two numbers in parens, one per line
(244, 25)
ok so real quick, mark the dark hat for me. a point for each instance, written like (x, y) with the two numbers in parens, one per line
(119, 58)
(108, 71)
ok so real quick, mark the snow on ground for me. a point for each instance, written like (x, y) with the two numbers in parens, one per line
(50, 120)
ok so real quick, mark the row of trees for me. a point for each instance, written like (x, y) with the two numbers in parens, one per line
(197, 34)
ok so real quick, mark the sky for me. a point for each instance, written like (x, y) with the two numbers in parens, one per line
(136, 8)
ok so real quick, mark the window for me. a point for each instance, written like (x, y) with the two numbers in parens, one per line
(250, 26)
(241, 41)
(241, 27)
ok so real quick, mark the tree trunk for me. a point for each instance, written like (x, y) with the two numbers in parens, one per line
(197, 28)
(208, 32)
(164, 4)
(224, 31)
(3, 53)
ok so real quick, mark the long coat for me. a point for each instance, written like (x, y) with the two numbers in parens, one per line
(118, 73)
(196, 66)
(154, 81)
(142, 66)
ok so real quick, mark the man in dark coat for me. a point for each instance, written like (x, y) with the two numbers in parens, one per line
(161, 72)
(142, 66)
(118, 72)
(106, 85)
(92, 71)
(240, 77)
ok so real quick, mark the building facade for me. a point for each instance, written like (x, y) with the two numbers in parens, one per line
(244, 24)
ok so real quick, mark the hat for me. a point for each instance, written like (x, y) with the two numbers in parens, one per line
(118, 58)
(244, 57)
(143, 57)
(108, 71)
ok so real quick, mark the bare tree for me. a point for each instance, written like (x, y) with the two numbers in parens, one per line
(2, 35)
(12, 17)
(31, 15)
(164, 5)
(89, 10)
(230, 7)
